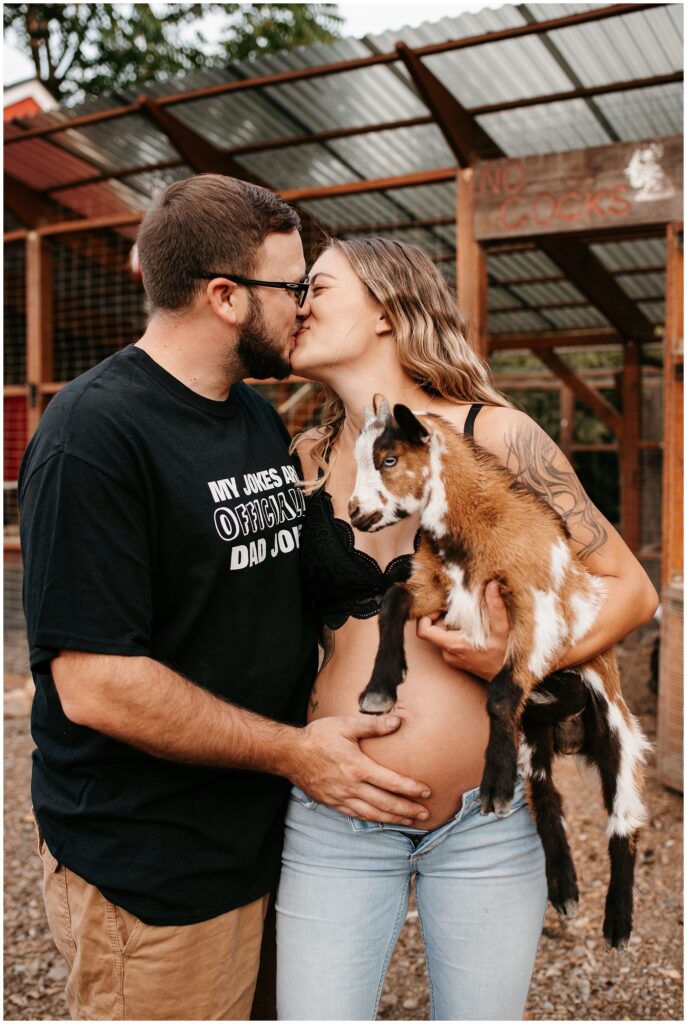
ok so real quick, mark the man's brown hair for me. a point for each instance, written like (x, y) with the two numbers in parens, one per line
(207, 223)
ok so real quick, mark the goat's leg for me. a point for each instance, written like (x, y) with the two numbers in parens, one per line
(504, 698)
(537, 746)
(616, 745)
(379, 696)
(559, 700)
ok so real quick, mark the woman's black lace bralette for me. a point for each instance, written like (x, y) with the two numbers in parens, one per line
(341, 580)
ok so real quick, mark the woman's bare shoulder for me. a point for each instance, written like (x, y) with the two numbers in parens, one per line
(492, 423)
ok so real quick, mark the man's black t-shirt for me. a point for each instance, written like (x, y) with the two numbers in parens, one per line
(157, 522)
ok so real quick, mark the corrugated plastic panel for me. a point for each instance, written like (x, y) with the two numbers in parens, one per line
(642, 286)
(636, 45)
(585, 316)
(497, 72)
(123, 142)
(655, 312)
(645, 113)
(40, 164)
(155, 181)
(546, 128)
(468, 24)
(298, 167)
(499, 298)
(392, 153)
(422, 238)
(636, 253)
(236, 119)
(543, 294)
(511, 266)
(447, 232)
(502, 323)
(427, 201)
(424, 202)
(368, 208)
(545, 12)
(349, 99)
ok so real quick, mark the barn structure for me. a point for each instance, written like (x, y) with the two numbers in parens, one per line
(534, 151)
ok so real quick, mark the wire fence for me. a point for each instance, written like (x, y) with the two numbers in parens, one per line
(97, 306)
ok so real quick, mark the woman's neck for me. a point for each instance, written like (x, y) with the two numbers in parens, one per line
(357, 391)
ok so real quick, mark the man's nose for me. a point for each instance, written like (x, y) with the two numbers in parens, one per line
(304, 311)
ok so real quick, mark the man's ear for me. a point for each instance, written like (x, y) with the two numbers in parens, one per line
(226, 301)
(414, 430)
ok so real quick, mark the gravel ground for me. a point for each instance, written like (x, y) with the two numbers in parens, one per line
(574, 977)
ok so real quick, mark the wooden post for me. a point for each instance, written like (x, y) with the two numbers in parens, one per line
(630, 467)
(39, 341)
(670, 687)
(673, 410)
(471, 265)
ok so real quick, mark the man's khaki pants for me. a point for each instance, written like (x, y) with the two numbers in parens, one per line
(123, 969)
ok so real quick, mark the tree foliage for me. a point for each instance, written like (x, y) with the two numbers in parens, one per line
(105, 48)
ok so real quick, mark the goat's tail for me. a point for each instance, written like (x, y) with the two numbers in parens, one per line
(615, 743)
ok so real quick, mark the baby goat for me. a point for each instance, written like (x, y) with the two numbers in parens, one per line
(479, 523)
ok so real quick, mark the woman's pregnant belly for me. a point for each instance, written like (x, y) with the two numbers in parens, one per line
(444, 729)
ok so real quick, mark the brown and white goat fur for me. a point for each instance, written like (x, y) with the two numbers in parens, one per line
(478, 523)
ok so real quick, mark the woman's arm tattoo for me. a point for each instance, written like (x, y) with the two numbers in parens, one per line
(531, 456)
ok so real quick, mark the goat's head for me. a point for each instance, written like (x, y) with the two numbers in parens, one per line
(392, 453)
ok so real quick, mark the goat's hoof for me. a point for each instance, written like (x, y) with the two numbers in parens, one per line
(619, 947)
(617, 934)
(569, 908)
(496, 794)
(372, 703)
(563, 892)
(499, 806)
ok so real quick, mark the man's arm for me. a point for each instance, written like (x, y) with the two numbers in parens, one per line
(143, 703)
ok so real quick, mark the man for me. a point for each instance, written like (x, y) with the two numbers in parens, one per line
(169, 642)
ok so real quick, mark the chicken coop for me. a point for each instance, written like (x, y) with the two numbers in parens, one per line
(533, 151)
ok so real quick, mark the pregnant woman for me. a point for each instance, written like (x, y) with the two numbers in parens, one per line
(379, 318)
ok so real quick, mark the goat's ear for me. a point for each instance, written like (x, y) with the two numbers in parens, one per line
(381, 407)
(415, 431)
(367, 416)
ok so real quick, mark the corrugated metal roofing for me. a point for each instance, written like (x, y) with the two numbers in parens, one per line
(511, 266)
(633, 45)
(640, 252)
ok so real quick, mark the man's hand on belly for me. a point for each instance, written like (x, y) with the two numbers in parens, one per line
(458, 653)
(331, 768)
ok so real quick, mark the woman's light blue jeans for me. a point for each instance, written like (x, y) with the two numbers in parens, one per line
(480, 889)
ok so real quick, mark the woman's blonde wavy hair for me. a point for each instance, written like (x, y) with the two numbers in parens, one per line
(427, 326)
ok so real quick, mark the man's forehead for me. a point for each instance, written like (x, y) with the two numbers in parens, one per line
(282, 252)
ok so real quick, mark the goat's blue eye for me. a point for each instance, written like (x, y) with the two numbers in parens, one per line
(390, 460)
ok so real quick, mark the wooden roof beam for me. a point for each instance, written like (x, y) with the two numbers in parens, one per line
(198, 152)
(536, 340)
(590, 276)
(206, 158)
(592, 398)
(29, 206)
(466, 139)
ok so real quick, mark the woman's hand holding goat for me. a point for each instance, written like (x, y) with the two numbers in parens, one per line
(455, 649)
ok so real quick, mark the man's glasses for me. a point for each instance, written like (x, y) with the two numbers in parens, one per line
(299, 288)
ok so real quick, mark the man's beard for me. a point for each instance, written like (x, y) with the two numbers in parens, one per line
(260, 354)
